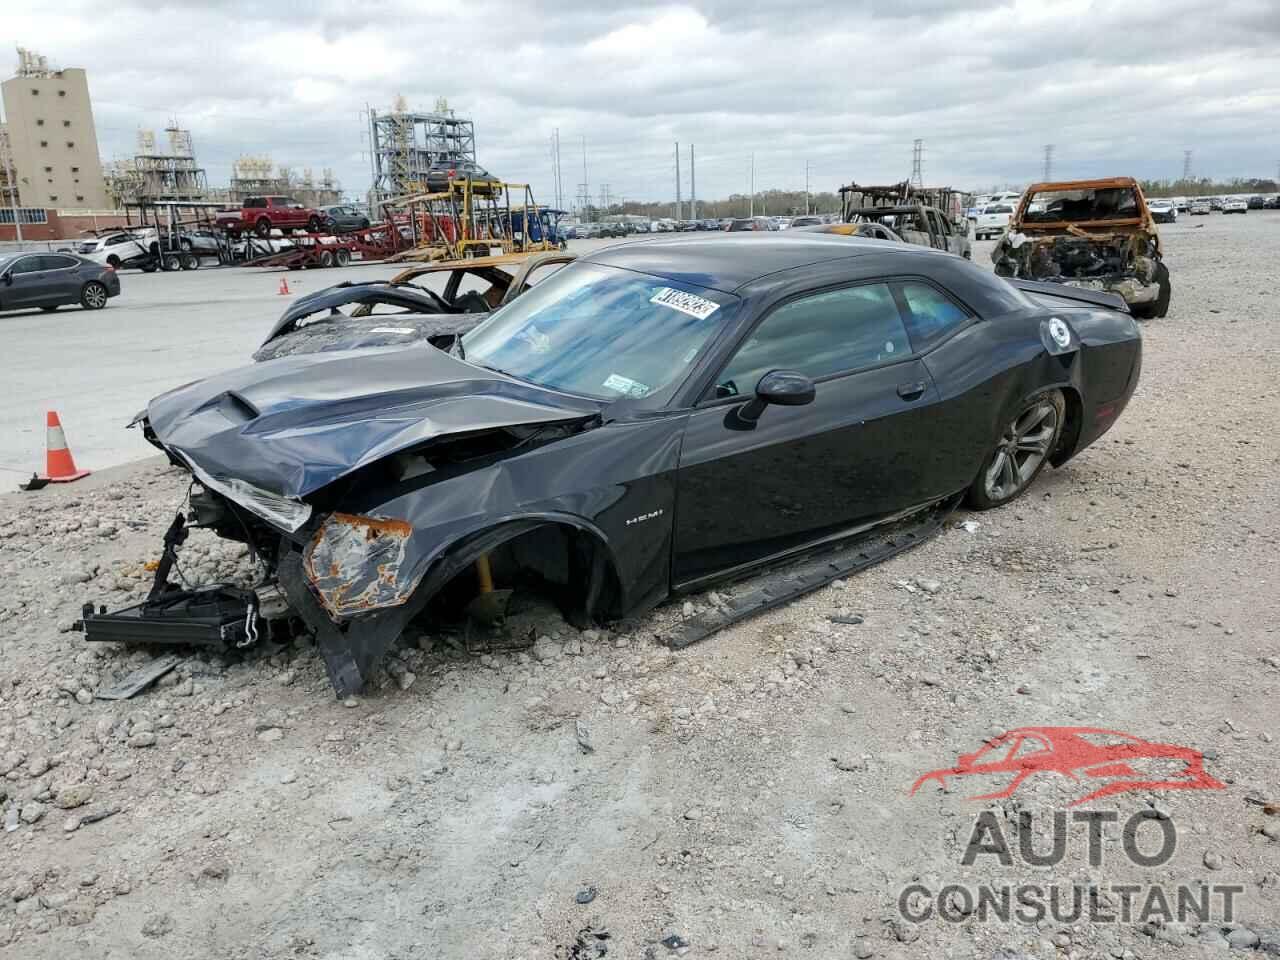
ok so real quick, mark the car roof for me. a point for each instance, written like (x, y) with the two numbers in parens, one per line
(730, 262)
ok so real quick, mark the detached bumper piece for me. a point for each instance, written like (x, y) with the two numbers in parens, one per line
(221, 617)
(217, 616)
(769, 590)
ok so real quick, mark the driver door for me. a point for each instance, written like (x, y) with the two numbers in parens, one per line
(748, 493)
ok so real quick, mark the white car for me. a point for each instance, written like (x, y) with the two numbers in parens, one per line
(992, 220)
(117, 249)
(1235, 205)
(1200, 208)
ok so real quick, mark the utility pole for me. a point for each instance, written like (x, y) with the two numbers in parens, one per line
(1186, 165)
(586, 184)
(917, 163)
(806, 186)
(753, 186)
(1048, 162)
(693, 188)
(555, 152)
(678, 204)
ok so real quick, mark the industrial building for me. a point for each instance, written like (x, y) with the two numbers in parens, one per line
(51, 147)
(405, 145)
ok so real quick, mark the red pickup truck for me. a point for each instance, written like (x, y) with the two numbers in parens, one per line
(261, 215)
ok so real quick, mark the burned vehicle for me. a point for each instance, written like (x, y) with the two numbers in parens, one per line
(381, 312)
(1094, 234)
(649, 420)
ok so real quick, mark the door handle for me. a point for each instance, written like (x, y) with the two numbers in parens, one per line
(912, 390)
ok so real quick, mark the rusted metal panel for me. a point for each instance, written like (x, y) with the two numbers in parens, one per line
(354, 563)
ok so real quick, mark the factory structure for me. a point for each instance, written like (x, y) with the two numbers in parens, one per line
(48, 143)
(51, 171)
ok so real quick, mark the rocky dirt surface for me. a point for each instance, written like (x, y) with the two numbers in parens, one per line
(746, 797)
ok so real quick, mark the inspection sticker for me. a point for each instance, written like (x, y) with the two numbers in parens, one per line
(688, 303)
(625, 386)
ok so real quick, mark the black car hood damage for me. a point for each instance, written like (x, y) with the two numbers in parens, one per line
(294, 425)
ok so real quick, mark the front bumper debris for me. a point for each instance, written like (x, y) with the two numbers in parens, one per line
(217, 616)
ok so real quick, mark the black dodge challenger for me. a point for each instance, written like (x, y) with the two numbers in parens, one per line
(653, 418)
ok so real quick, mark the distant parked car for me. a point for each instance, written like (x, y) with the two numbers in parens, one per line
(805, 221)
(343, 218)
(1235, 205)
(1273, 203)
(1199, 208)
(991, 220)
(1182, 204)
(1163, 211)
(742, 224)
(1257, 202)
(52, 280)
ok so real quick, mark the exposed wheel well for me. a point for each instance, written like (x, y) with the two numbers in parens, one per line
(571, 562)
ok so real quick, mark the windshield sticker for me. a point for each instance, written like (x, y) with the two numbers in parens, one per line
(625, 386)
(688, 303)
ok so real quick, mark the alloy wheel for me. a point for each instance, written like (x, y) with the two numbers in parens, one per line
(95, 295)
(1022, 449)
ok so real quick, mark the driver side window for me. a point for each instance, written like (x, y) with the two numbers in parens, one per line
(828, 333)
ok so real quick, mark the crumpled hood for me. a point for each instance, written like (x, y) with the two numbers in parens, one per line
(298, 423)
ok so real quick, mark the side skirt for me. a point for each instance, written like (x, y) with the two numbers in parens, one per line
(774, 588)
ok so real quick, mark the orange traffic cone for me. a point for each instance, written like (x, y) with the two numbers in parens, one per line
(284, 287)
(60, 466)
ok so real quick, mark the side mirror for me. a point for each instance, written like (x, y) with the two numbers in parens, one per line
(786, 388)
(7, 279)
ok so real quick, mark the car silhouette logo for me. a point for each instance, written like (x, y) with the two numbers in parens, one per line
(1118, 762)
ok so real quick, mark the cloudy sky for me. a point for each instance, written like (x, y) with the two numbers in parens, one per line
(840, 85)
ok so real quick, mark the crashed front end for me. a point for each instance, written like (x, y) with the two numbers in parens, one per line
(1123, 263)
(346, 475)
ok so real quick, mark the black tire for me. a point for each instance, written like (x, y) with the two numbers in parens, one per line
(325, 258)
(263, 227)
(1003, 478)
(113, 262)
(1159, 307)
(93, 295)
(314, 225)
(341, 257)
(170, 262)
(189, 261)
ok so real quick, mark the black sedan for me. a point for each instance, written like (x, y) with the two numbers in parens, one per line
(649, 420)
(344, 218)
(53, 280)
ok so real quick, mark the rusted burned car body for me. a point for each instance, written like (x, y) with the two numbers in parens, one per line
(397, 311)
(1094, 234)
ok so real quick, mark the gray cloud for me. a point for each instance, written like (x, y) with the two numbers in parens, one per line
(841, 86)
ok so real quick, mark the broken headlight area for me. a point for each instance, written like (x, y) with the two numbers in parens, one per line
(283, 512)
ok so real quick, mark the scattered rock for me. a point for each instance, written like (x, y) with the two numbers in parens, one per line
(1212, 860)
(158, 926)
(74, 796)
(144, 739)
(271, 734)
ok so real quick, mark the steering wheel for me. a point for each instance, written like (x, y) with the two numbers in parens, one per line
(471, 302)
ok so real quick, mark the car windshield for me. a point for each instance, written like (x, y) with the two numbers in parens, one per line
(1106, 203)
(601, 332)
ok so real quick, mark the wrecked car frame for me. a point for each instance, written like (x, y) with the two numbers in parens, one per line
(1094, 234)
(652, 419)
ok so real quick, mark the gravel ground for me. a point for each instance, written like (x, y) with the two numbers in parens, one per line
(747, 797)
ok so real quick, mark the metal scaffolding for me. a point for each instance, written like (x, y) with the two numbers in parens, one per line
(404, 145)
(152, 175)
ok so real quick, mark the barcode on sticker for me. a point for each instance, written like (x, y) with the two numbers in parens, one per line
(688, 303)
